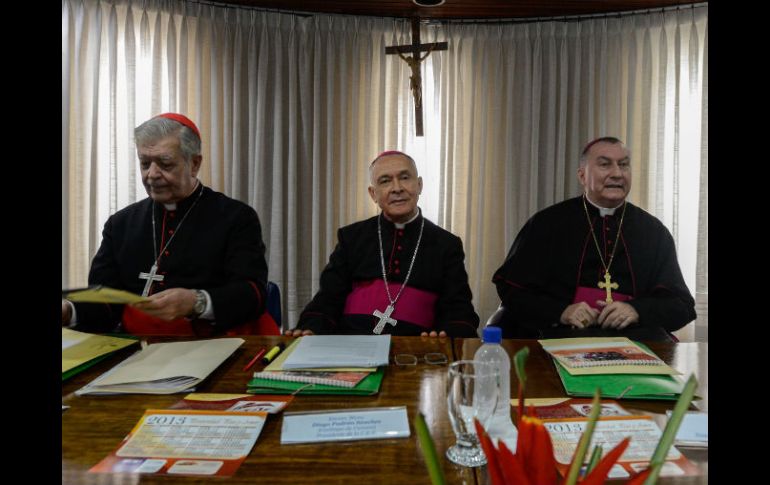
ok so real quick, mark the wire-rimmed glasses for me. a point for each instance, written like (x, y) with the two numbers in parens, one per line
(432, 358)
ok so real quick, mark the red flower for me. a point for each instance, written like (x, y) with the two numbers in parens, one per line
(534, 462)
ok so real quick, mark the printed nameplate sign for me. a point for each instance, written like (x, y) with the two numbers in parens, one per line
(345, 425)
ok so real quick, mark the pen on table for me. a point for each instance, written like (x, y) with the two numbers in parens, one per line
(273, 352)
(256, 358)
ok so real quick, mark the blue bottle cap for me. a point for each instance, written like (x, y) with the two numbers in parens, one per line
(492, 335)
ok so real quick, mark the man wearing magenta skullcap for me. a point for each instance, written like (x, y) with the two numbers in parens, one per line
(594, 265)
(196, 253)
(395, 273)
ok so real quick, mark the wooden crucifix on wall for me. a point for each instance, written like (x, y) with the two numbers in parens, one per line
(414, 60)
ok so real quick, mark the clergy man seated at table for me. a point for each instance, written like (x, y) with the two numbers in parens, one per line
(395, 273)
(196, 253)
(594, 265)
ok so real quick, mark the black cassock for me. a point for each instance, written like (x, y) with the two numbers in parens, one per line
(218, 248)
(437, 296)
(554, 254)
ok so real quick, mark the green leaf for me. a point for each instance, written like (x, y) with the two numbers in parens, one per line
(519, 360)
(595, 457)
(669, 433)
(585, 440)
(429, 450)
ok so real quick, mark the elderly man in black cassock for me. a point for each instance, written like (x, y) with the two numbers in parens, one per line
(594, 265)
(394, 273)
(196, 253)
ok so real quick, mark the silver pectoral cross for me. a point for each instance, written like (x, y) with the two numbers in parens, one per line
(384, 318)
(150, 277)
(608, 285)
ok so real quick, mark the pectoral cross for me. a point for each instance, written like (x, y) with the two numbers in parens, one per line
(384, 318)
(150, 277)
(415, 80)
(608, 285)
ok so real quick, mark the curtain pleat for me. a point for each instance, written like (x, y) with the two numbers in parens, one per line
(292, 108)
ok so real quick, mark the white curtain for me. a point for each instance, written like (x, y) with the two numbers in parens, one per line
(517, 102)
(293, 107)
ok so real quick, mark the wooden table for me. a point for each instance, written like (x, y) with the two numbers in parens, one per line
(94, 426)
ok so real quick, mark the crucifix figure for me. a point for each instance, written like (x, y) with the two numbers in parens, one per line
(384, 318)
(150, 277)
(414, 60)
(608, 285)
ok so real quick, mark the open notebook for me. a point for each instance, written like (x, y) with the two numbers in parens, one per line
(164, 368)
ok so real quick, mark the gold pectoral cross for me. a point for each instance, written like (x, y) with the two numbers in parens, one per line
(609, 286)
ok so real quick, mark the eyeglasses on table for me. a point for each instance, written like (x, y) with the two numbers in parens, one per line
(432, 358)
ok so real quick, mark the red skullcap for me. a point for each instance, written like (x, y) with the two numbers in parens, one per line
(183, 120)
(390, 152)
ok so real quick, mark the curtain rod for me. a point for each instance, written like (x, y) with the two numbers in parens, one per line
(436, 21)
(298, 13)
(568, 18)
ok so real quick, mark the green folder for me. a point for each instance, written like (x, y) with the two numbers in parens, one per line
(90, 363)
(627, 386)
(77, 370)
(368, 386)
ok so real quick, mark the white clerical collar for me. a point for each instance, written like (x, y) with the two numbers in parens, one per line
(603, 211)
(172, 206)
(401, 225)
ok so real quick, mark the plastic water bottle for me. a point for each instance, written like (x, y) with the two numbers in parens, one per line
(492, 352)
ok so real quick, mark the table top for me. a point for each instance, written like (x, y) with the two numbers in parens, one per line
(94, 426)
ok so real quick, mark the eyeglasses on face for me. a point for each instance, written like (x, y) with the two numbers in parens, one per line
(432, 358)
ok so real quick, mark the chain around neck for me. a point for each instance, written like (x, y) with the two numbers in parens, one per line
(596, 241)
(154, 243)
(382, 261)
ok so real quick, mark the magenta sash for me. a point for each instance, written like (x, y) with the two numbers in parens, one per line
(590, 295)
(414, 306)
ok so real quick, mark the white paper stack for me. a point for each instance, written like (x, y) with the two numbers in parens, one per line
(314, 351)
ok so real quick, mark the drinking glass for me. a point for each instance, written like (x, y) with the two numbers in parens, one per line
(472, 392)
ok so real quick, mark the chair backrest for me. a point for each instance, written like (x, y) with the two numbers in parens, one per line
(273, 304)
(494, 318)
(269, 323)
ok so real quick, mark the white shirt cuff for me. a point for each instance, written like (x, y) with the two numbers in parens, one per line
(208, 313)
(74, 317)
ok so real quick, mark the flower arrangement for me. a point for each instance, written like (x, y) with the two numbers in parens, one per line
(534, 462)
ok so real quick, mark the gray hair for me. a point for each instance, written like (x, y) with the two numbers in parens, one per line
(605, 139)
(154, 129)
(388, 153)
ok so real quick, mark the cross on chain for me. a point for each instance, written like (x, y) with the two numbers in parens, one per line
(608, 285)
(150, 277)
(415, 80)
(384, 318)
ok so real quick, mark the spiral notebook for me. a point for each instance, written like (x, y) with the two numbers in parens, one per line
(605, 355)
(328, 378)
(368, 386)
